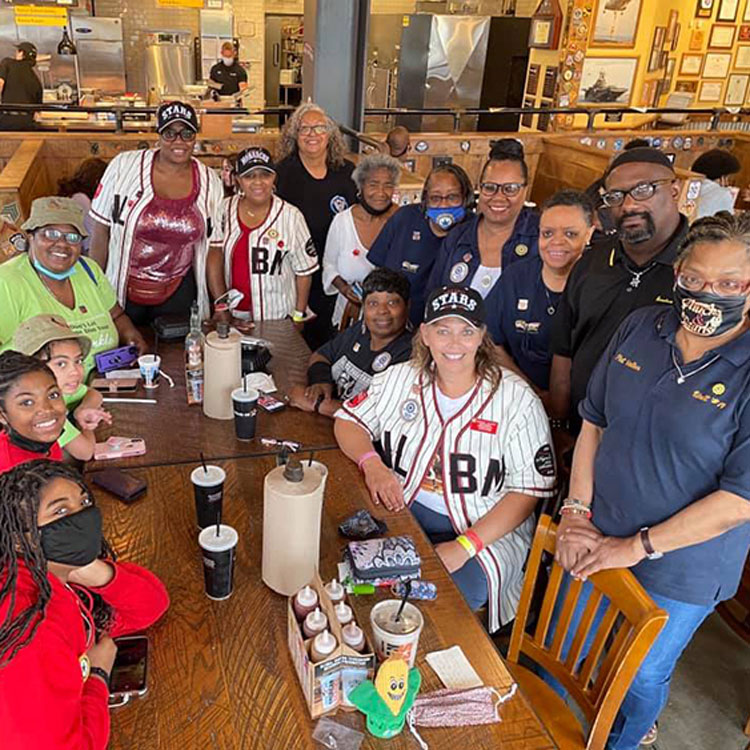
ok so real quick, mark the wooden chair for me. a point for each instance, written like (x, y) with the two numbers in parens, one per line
(624, 636)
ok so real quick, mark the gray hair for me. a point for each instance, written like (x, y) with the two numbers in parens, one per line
(289, 133)
(371, 163)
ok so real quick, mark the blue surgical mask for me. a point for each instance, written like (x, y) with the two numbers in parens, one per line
(52, 274)
(445, 218)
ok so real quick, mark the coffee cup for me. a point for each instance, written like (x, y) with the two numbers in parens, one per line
(208, 488)
(149, 365)
(245, 406)
(391, 635)
(218, 552)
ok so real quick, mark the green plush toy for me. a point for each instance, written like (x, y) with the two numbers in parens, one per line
(386, 701)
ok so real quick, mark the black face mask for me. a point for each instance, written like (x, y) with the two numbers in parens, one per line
(373, 211)
(27, 444)
(705, 314)
(75, 539)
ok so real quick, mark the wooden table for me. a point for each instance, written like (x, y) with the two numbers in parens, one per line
(177, 433)
(220, 672)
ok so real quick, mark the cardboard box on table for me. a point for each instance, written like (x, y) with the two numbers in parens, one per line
(324, 682)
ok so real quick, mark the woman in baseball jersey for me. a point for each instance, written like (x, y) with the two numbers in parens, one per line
(461, 442)
(156, 211)
(268, 253)
(353, 231)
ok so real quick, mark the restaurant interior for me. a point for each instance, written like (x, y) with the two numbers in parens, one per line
(573, 80)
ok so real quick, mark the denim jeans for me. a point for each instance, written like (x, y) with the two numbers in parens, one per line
(649, 690)
(470, 577)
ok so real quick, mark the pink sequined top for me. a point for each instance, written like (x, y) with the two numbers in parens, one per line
(166, 235)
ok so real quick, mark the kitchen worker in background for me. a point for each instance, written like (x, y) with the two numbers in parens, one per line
(19, 84)
(228, 72)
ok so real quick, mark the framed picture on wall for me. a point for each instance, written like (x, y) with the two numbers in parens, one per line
(660, 33)
(607, 80)
(697, 40)
(686, 87)
(722, 37)
(728, 10)
(654, 60)
(615, 26)
(676, 37)
(736, 89)
(744, 33)
(704, 8)
(671, 25)
(746, 14)
(669, 74)
(709, 91)
(742, 59)
(690, 65)
(716, 65)
(527, 119)
(532, 82)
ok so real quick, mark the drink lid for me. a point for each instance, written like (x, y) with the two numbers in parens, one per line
(249, 395)
(316, 620)
(324, 642)
(215, 475)
(352, 633)
(335, 589)
(343, 612)
(226, 539)
(306, 596)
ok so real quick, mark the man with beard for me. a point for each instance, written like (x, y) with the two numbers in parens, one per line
(619, 274)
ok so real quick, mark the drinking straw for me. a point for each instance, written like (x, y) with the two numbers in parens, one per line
(203, 461)
(312, 453)
(244, 383)
(218, 523)
(404, 597)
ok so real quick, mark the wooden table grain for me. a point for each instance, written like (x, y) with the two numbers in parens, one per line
(220, 672)
(177, 433)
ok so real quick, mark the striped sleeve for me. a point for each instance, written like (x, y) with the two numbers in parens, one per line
(304, 256)
(365, 409)
(102, 204)
(530, 459)
(215, 207)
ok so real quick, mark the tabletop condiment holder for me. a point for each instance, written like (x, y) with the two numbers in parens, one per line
(323, 682)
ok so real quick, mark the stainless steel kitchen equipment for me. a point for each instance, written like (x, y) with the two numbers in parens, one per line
(170, 61)
(101, 58)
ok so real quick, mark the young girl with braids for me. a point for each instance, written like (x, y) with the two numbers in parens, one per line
(62, 600)
(32, 411)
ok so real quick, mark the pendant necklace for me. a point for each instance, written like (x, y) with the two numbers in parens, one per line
(551, 309)
(635, 282)
(683, 376)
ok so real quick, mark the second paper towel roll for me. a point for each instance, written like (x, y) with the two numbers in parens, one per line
(223, 373)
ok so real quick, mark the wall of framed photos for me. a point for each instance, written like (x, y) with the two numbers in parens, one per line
(638, 52)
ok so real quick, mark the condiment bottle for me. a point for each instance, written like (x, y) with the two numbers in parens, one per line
(315, 623)
(343, 613)
(323, 646)
(335, 591)
(305, 602)
(353, 636)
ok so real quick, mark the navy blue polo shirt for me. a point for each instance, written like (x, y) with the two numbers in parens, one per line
(407, 244)
(459, 259)
(666, 445)
(521, 314)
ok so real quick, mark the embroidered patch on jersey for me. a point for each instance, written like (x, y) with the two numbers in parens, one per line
(484, 425)
(273, 233)
(544, 461)
(280, 244)
(98, 190)
(310, 248)
(264, 240)
(381, 361)
(459, 272)
(521, 249)
(358, 399)
(409, 267)
(338, 204)
(523, 304)
(416, 236)
(409, 410)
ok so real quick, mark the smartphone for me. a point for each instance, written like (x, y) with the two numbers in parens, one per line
(269, 403)
(119, 447)
(122, 485)
(115, 359)
(130, 670)
(114, 385)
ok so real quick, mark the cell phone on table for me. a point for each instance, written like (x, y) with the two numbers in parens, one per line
(114, 385)
(119, 447)
(122, 485)
(269, 403)
(128, 677)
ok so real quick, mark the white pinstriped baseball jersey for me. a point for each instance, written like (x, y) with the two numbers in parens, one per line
(279, 249)
(499, 442)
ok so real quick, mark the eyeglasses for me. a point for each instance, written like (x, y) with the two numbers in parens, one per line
(186, 134)
(313, 129)
(452, 199)
(508, 189)
(722, 287)
(641, 192)
(55, 235)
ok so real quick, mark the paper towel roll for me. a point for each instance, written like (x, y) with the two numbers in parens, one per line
(222, 374)
(291, 527)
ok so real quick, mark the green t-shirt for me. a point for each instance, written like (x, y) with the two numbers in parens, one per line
(69, 432)
(23, 295)
(73, 399)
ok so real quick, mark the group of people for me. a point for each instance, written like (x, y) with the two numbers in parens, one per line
(463, 348)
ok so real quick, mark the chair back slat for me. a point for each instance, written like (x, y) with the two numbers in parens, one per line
(623, 636)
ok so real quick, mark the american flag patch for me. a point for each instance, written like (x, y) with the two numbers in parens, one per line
(484, 425)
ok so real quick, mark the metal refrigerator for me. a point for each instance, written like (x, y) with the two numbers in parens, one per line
(101, 58)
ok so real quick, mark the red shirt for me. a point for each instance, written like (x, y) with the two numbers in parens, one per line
(241, 268)
(11, 455)
(44, 702)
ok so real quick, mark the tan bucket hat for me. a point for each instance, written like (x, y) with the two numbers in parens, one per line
(55, 210)
(35, 332)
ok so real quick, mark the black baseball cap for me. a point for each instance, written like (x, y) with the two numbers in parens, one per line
(254, 158)
(172, 112)
(28, 49)
(455, 302)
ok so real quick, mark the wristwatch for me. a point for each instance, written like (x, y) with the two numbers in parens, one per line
(99, 672)
(651, 553)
